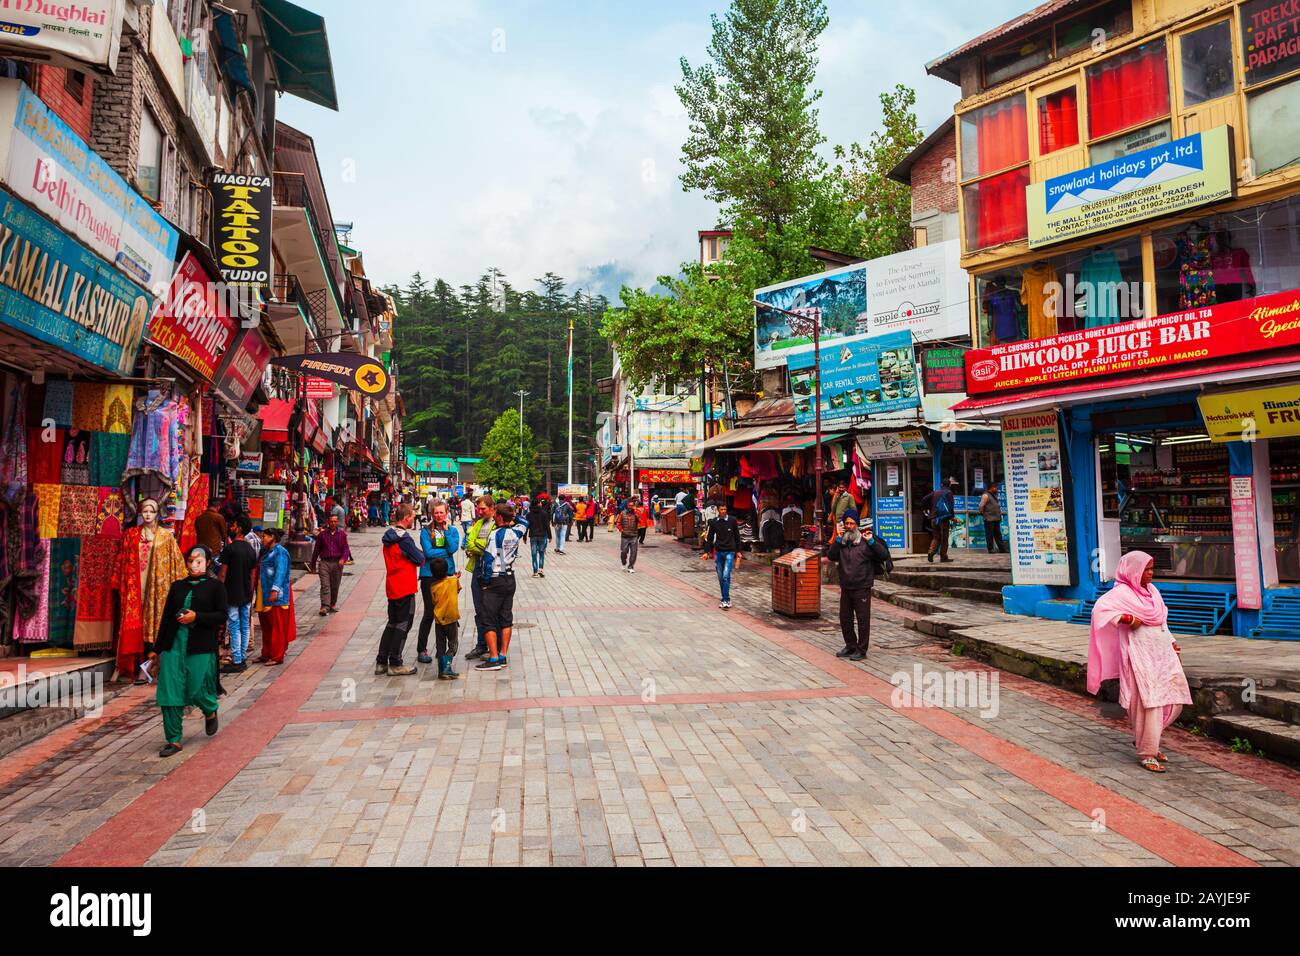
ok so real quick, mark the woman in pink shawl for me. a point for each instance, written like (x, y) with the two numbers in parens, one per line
(1131, 640)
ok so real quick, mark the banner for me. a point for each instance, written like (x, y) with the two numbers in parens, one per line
(1248, 415)
(1232, 328)
(1245, 543)
(943, 371)
(890, 521)
(1040, 540)
(1186, 172)
(836, 299)
(250, 462)
(573, 491)
(1270, 36)
(859, 378)
(321, 388)
(360, 373)
(664, 476)
(875, 446)
(922, 291)
(58, 291)
(76, 34)
(242, 227)
(243, 371)
(192, 322)
(662, 434)
(48, 165)
(422, 463)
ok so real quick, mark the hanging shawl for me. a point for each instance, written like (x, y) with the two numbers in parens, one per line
(13, 448)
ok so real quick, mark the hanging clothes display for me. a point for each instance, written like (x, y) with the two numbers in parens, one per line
(33, 622)
(13, 447)
(1101, 279)
(1195, 273)
(143, 574)
(1040, 295)
(155, 448)
(1002, 306)
(1234, 279)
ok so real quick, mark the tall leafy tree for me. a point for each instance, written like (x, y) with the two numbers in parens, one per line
(509, 456)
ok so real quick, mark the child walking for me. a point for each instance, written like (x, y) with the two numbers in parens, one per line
(446, 617)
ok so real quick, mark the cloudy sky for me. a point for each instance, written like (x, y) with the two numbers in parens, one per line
(537, 135)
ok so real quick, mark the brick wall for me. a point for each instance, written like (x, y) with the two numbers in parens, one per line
(934, 179)
(51, 85)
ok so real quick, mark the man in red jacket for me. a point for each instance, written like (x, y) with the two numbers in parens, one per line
(402, 560)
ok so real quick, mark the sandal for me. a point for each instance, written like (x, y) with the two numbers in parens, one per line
(1161, 757)
(170, 750)
(1152, 764)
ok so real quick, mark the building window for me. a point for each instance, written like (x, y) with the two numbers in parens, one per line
(920, 237)
(994, 137)
(74, 81)
(1128, 90)
(1058, 121)
(1096, 25)
(1134, 140)
(1269, 48)
(1025, 55)
(148, 169)
(1206, 59)
(995, 209)
(1274, 118)
(994, 140)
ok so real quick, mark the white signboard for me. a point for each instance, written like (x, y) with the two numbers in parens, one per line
(1040, 542)
(81, 33)
(922, 291)
(572, 491)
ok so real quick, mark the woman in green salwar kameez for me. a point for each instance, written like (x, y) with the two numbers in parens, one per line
(187, 649)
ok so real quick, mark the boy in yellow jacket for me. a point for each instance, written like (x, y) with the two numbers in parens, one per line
(446, 617)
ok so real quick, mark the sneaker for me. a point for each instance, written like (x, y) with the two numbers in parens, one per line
(476, 654)
(845, 653)
(631, 570)
(727, 605)
(400, 671)
(424, 659)
(541, 574)
(233, 668)
(490, 664)
(381, 670)
(722, 605)
(333, 609)
(505, 661)
(448, 675)
(858, 656)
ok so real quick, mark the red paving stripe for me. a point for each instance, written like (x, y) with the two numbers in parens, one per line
(1168, 840)
(136, 833)
(603, 608)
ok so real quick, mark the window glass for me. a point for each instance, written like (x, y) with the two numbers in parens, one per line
(1128, 89)
(1058, 121)
(1270, 41)
(995, 209)
(1131, 142)
(1207, 63)
(1002, 315)
(1274, 118)
(994, 137)
(148, 171)
(1103, 22)
(1026, 55)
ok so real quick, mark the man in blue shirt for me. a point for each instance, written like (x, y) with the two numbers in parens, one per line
(441, 540)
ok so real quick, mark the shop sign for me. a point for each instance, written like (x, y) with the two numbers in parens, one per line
(242, 226)
(1245, 543)
(372, 486)
(243, 370)
(48, 165)
(890, 521)
(1230, 328)
(664, 476)
(943, 371)
(1251, 414)
(922, 291)
(319, 388)
(573, 491)
(876, 446)
(56, 290)
(192, 321)
(1270, 34)
(1040, 540)
(360, 373)
(250, 462)
(84, 33)
(1181, 174)
(859, 378)
(425, 464)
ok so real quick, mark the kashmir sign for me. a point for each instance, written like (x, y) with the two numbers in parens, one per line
(192, 321)
(80, 34)
(1040, 541)
(48, 165)
(1180, 174)
(1230, 328)
(58, 291)
(242, 223)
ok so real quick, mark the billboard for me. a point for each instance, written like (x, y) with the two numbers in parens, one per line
(837, 300)
(241, 218)
(859, 378)
(80, 34)
(922, 291)
(192, 321)
(1036, 494)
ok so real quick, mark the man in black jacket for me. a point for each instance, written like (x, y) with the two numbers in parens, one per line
(723, 545)
(857, 553)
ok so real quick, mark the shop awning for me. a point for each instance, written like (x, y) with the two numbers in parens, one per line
(301, 52)
(788, 442)
(737, 436)
(275, 420)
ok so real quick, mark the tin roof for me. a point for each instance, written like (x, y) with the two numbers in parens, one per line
(946, 66)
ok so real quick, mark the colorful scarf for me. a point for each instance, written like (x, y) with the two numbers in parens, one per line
(64, 558)
(117, 409)
(58, 402)
(78, 511)
(108, 458)
(88, 406)
(33, 624)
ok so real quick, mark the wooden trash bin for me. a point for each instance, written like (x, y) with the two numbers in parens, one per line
(797, 584)
(686, 526)
(668, 522)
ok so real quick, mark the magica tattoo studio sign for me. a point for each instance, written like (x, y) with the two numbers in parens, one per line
(242, 223)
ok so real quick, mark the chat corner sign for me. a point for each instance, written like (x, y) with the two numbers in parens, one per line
(1180, 174)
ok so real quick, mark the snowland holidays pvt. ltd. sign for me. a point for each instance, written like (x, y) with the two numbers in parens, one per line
(1181, 174)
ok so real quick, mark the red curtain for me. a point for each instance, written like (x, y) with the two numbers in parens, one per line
(1058, 121)
(1002, 135)
(1000, 201)
(1128, 90)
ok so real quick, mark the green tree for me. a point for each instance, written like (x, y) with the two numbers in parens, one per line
(509, 462)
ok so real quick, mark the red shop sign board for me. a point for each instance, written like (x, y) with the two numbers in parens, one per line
(246, 366)
(1213, 332)
(660, 476)
(192, 321)
(321, 388)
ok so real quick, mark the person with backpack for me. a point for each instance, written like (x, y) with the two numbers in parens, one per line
(496, 569)
(860, 556)
(629, 526)
(562, 519)
(939, 506)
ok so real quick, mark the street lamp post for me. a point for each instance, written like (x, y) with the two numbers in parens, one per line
(522, 395)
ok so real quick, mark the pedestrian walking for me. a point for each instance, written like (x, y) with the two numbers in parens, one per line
(328, 556)
(580, 512)
(562, 520)
(643, 521)
(476, 542)
(860, 556)
(446, 611)
(187, 646)
(439, 541)
(539, 533)
(722, 544)
(467, 508)
(991, 512)
(238, 568)
(629, 526)
(402, 562)
(1130, 640)
(940, 506)
(274, 601)
(210, 529)
(496, 570)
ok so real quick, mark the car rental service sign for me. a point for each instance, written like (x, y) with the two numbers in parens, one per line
(859, 378)
(1186, 172)
(1040, 540)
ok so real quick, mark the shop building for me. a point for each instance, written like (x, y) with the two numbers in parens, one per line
(646, 442)
(1129, 199)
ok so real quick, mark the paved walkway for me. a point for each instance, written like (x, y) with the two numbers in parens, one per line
(637, 724)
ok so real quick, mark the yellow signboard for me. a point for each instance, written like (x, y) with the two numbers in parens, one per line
(1258, 413)
(1180, 174)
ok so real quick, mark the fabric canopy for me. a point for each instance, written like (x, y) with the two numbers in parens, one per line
(300, 51)
(788, 442)
(737, 436)
(275, 420)
(230, 52)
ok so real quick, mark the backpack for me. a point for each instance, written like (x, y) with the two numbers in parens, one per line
(881, 565)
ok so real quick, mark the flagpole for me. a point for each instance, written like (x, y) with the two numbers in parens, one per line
(570, 480)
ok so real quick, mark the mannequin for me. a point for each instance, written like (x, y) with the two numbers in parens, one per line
(149, 563)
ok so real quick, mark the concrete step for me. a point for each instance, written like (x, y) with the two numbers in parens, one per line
(1283, 705)
(1274, 737)
(944, 581)
(977, 594)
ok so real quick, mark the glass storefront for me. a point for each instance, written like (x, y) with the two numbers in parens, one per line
(1284, 471)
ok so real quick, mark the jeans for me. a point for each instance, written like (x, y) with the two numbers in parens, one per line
(993, 537)
(401, 615)
(240, 630)
(464, 527)
(539, 554)
(476, 593)
(627, 553)
(726, 563)
(561, 532)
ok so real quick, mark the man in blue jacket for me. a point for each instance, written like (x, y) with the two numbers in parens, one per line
(442, 540)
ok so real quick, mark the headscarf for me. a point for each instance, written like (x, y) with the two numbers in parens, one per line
(1128, 596)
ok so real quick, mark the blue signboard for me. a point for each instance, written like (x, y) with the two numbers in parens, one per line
(866, 377)
(891, 521)
(58, 291)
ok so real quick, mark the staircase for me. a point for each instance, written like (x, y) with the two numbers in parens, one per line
(1190, 612)
(1280, 619)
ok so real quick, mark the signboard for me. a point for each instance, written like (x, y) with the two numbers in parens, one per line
(1040, 542)
(250, 462)
(890, 521)
(662, 434)
(243, 370)
(1186, 172)
(876, 446)
(1245, 543)
(192, 322)
(943, 371)
(422, 463)
(922, 291)
(358, 372)
(84, 33)
(859, 378)
(1230, 328)
(1270, 36)
(49, 166)
(836, 299)
(319, 388)
(242, 227)
(573, 491)
(58, 291)
(1256, 413)
(664, 476)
